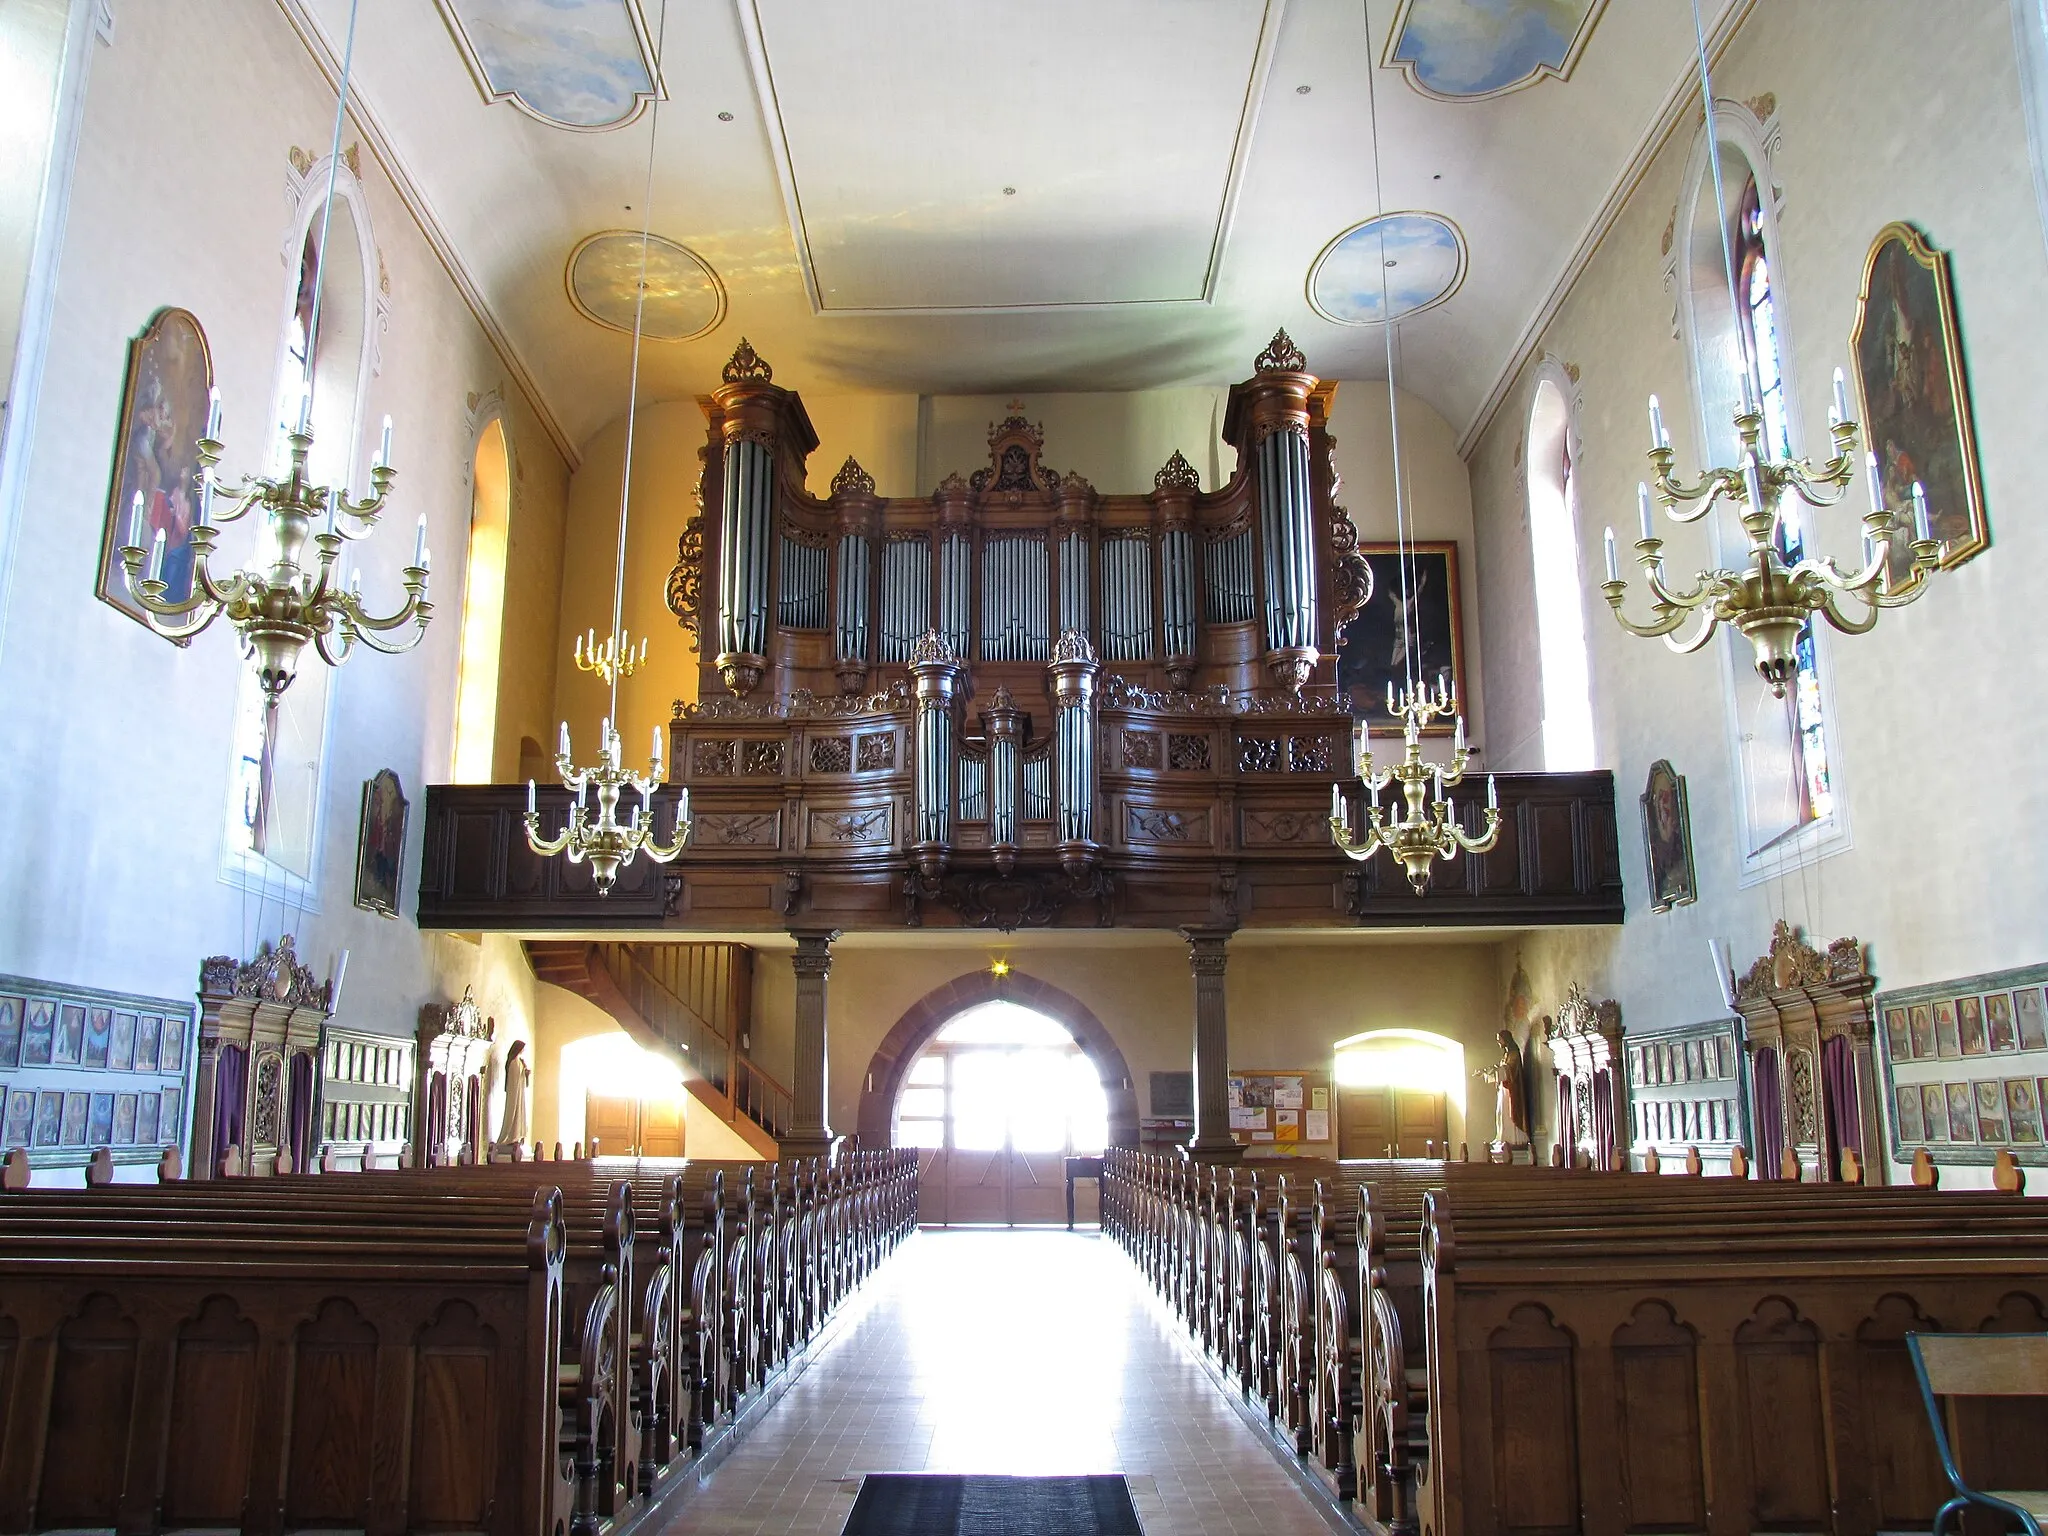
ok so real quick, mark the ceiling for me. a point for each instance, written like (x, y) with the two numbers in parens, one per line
(970, 196)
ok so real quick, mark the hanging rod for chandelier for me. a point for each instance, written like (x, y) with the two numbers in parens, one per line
(285, 601)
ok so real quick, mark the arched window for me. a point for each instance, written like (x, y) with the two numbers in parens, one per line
(273, 809)
(1560, 601)
(1400, 1092)
(1001, 1077)
(483, 609)
(1787, 767)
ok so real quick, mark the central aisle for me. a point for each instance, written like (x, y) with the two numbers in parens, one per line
(1008, 1351)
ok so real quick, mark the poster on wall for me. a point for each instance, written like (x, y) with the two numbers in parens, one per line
(156, 458)
(1412, 622)
(1908, 353)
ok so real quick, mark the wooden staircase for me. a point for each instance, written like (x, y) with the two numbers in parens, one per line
(691, 1003)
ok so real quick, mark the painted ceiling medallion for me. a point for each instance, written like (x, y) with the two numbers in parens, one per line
(580, 64)
(685, 299)
(1390, 266)
(1467, 50)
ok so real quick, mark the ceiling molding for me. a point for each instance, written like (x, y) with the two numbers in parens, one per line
(766, 97)
(299, 14)
(1682, 97)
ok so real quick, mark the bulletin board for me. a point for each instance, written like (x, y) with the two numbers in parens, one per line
(1284, 1113)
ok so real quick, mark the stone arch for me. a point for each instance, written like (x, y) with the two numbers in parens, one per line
(940, 1006)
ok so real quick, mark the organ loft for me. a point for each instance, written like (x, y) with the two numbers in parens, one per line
(928, 768)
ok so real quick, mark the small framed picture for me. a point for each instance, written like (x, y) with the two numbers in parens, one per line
(1934, 1111)
(1922, 1026)
(146, 1030)
(49, 1118)
(171, 1050)
(10, 1031)
(124, 1119)
(1998, 1022)
(99, 1035)
(70, 1035)
(1970, 1026)
(1990, 1111)
(121, 1045)
(99, 1123)
(1897, 1033)
(172, 1117)
(1667, 838)
(38, 1032)
(1912, 1128)
(1962, 1112)
(146, 1109)
(2023, 1111)
(1945, 1036)
(380, 849)
(2032, 1019)
(19, 1126)
(76, 1108)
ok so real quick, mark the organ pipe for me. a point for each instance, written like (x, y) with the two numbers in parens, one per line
(1074, 578)
(1232, 593)
(804, 573)
(1127, 598)
(850, 639)
(1177, 593)
(745, 528)
(956, 583)
(1074, 670)
(1287, 530)
(906, 595)
(936, 672)
(1003, 722)
(1015, 596)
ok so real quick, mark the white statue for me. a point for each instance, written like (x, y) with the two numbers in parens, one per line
(512, 1130)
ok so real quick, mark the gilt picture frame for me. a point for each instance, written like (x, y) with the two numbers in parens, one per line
(1370, 654)
(380, 844)
(1907, 352)
(156, 455)
(1667, 838)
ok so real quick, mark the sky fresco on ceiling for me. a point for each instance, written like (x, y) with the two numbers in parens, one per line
(683, 298)
(1346, 284)
(1480, 47)
(573, 62)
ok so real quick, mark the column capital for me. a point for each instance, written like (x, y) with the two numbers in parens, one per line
(813, 951)
(1207, 955)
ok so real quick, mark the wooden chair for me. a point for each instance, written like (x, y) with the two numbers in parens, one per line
(1981, 1365)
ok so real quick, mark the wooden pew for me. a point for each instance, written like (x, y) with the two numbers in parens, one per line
(272, 1373)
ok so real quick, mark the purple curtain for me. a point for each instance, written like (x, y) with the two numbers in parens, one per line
(437, 1119)
(1567, 1133)
(299, 1116)
(1838, 1095)
(1770, 1113)
(230, 1099)
(1603, 1119)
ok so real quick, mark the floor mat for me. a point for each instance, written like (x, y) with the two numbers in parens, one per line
(919, 1504)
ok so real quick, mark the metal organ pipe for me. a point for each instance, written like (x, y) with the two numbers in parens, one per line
(804, 572)
(1015, 596)
(1003, 724)
(936, 672)
(1286, 526)
(1232, 593)
(956, 582)
(1127, 597)
(1074, 670)
(906, 595)
(743, 548)
(1177, 591)
(1074, 580)
(850, 642)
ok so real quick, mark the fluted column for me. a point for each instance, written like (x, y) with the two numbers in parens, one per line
(936, 673)
(1074, 670)
(1207, 958)
(809, 1133)
(1003, 724)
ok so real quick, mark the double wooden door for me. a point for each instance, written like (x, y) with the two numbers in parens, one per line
(1391, 1122)
(629, 1127)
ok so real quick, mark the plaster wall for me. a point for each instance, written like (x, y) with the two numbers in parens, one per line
(1888, 110)
(133, 733)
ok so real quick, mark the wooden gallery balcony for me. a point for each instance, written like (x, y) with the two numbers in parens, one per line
(1204, 813)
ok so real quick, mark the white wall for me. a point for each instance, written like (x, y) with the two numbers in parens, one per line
(116, 754)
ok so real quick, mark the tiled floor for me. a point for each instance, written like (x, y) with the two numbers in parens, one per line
(1026, 1351)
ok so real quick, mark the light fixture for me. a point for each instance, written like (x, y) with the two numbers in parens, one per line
(283, 600)
(999, 969)
(594, 834)
(1772, 599)
(1420, 832)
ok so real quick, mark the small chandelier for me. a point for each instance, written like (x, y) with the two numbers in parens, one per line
(279, 609)
(612, 657)
(594, 833)
(1427, 832)
(1770, 601)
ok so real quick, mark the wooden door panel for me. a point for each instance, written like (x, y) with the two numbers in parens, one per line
(977, 1189)
(1365, 1121)
(1421, 1123)
(612, 1123)
(1038, 1188)
(661, 1128)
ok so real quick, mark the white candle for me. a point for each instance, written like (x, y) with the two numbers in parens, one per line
(1657, 437)
(1492, 794)
(305, 408)
(333, 506)
(1458, 735)
(532, 799)
(384, 446)
(683, 807)
(1390, 697)
(1336, 802)
(1439, 772)
(419, 542)
(1869, 548)
(1613, 566)
(1876, 480)
(657, 749)
(1923, 521)
(565, 739)
(1647, 511)
(1841, 399)
(355, 583)
(213, 412)
(156, 556)
(135, 523)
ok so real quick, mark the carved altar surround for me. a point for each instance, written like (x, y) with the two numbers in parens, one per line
(1585, 1041)
(449, 1112)
(272, 1010)
(1794, 1000)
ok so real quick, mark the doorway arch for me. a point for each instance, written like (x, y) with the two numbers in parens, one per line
(931, 1013)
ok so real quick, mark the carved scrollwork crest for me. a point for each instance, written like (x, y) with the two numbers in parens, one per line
(1792, 963)
(1177, 474)
(1072, 645)
(746, 366)
(931, 647)
(1579, 1016)
(1281, 356)
(852, 480)
(685, 582)
(274, 976)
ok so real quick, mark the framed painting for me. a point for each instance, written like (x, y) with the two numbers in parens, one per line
(1908, 354)
(1392, 632)
(1667, 838)
(156, 456)
(380, 849)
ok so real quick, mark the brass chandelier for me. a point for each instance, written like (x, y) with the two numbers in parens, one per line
(1771, 600)
(594, 834)
(284, 600)
(1427, 828)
